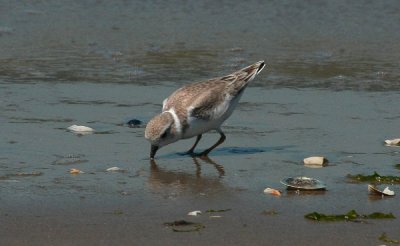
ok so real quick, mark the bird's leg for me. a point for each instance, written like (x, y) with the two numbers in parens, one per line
(220, 141)
(190, 151)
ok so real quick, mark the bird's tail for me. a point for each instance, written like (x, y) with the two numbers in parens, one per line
(239, 79)
(252, 70)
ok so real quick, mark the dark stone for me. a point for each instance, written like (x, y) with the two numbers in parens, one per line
(135, 123)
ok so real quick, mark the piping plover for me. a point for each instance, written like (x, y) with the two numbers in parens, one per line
(198, 108)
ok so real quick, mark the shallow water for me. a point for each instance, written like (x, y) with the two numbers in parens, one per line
(330, 88)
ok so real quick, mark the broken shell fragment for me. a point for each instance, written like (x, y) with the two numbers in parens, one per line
(80, 129)
(75, 171)
(315, 160)
(194, 213)
(114, 169)
(375, 190)
(272, 191)
(393, 142)
(388, 192)
(303, 183)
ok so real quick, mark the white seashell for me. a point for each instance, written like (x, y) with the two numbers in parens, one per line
(75, 128)
(388, 192)
(113, 169)
(272, 191)
(315, 160)
(393, 142)
(376, 190)
(194, 213)
(303, 183)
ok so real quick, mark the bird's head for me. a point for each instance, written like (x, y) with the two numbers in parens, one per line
(160, 131)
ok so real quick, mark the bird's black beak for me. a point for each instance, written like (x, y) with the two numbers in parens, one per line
(153, 151)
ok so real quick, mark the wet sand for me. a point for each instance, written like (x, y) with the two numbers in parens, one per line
(99, 207)
(328, 90)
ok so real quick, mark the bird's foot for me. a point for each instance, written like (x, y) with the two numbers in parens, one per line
(201, 154)
(191, 153)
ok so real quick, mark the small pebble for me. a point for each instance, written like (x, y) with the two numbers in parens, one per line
(315, 160)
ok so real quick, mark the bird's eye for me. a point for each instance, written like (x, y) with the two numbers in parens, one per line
(164, 135)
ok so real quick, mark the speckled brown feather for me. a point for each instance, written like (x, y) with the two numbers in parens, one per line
(204, 95)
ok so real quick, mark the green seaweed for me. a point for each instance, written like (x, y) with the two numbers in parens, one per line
(185, 224)
(375, 178)
(195, 227)
(384, 238)
(179, 223)
(218, 211)
(352, 215)
(378, 215)
(21, 174)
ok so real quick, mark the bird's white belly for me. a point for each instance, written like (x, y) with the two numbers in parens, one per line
(219, 115)
(198, 127)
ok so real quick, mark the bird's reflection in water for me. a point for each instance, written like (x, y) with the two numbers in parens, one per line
(206, 159)
(177, 182)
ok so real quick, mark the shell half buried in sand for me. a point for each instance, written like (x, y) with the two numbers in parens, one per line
(80, 129)
(375, 190)
(303, 183)
(194, 213)
(114, 169)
